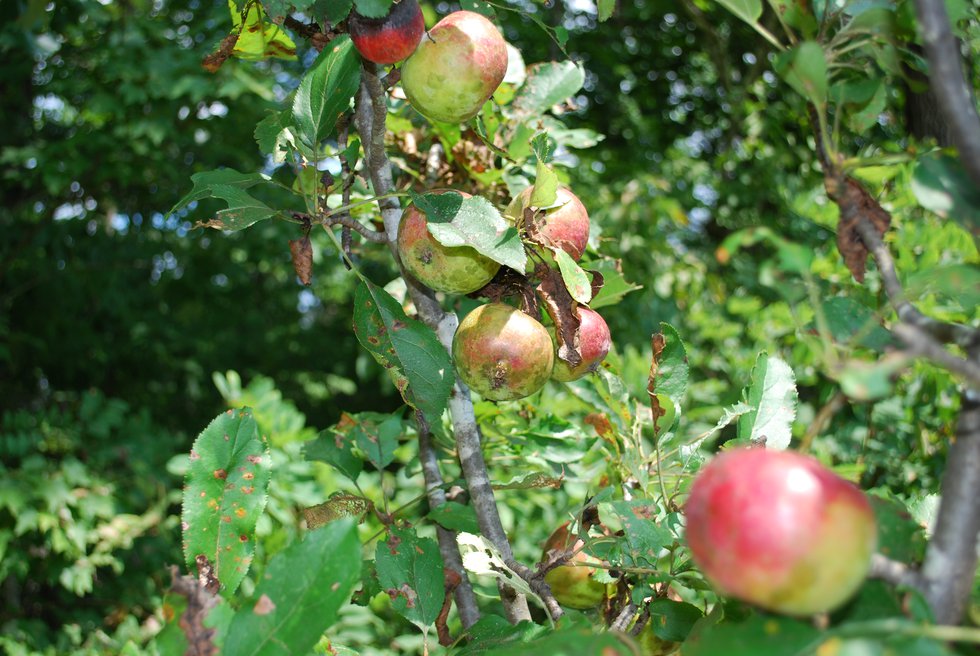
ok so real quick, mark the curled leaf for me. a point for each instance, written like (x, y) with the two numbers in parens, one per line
(302, 252)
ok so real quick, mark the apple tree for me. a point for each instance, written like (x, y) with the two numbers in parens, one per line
(433, 167)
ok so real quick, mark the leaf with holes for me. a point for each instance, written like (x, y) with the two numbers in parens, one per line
(243, 209)
(259, 38)
(772, 397)
(326, 90)
(224, 495)
(417, 362)
(205, 181)
(410, 570)
(299, 595)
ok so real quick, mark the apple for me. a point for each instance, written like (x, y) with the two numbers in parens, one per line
(564, 225)
(456, 68)
(779, 530)
(594, 345)
(389, 39)
(450, 269)
(502, 353)
(573, 585)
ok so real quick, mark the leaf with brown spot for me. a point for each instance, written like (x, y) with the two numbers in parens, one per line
(411, 569)
(531, 481)
(263, 606)
(336, 507)
(668, 374)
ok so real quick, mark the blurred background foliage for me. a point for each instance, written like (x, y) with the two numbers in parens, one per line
(115, 318)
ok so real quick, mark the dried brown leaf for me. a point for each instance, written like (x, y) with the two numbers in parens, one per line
(855, 204)
(563, 310)
(302, 252)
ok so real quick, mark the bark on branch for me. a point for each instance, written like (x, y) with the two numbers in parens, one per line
(949, 84)
(369, 116)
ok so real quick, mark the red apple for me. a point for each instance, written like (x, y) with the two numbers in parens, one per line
(502, 353)
(573, 585)
(564, 225)
(780, 530)
(594, 345)
(456, 68)
(450, 269)
(389, 39)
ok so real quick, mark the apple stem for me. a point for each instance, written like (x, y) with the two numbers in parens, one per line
(370, 113)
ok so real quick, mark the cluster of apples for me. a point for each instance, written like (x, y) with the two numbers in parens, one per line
(449, 73)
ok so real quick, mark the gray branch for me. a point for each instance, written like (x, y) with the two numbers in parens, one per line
(466, 604)
(951, 558)
(949, 84)
(370, 113)
(893, 571)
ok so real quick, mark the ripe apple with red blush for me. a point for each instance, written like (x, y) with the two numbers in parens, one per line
(456, 68)
(502, 353)
(564, 225)
(391, 38)
(779, 530)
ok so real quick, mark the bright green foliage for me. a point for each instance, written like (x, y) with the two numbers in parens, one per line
(224, 495)
(325, 91)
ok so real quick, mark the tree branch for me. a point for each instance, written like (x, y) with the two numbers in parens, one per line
(369, 115)
(466, 604)
(346, 220)
(907, 313)
(948, 83)
(951, 558)
(921, 343)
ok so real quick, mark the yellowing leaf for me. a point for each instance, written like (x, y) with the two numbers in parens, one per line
(259, 38)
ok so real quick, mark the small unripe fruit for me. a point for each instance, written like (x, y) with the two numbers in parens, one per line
(564, 226)
(450, 269)
(574, 586)
(502, 353)
(456, 68)
(389, 39)
(594, 345)
(779, 530)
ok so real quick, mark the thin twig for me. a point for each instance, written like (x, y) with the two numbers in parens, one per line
(625, 618)
(948, 84)
(893, 571)
(369, 115)
(466, 604)
(345, 219)
(919, 342)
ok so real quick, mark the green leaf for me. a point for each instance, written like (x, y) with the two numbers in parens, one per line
(805, 69)
(959, 282)
(535, 480)
(867, 116)
(259, 38)
(900, 536)
(877, 21)
(748, 10)
(243, 209)
(377, 436)
(576, 281)
(331, 12)
(205, 182)
(299, 594)
(672, 367)
(614, 284)
(606, 9)
(772, 397)
(326, 91)
(410, 570)
(941, 185)
(673, 620)
(373, 8)
(796, 13)
(335, 446)
(474, 222)
(869, 381)
(644, 537)
(455, 517)
(224, 495)
(417, 362)
(760, 634)
(547, 84)
(545, 191)
(568, 641)
(849, 321)
(543, 146)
